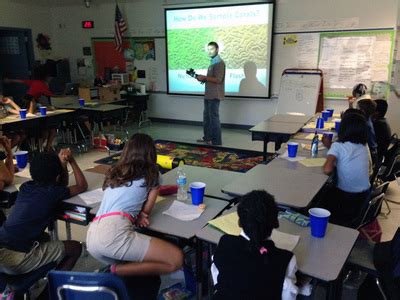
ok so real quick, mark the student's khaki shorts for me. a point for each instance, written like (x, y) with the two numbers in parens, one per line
(14, 262)
(113, 239)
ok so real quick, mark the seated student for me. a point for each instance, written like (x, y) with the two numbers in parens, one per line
(382, 129)
(131, 188)
(7, 107)
(22, 246)
(359, 92)
(349, 155)
(37, 88)
(367, 106)
(250, 266)
(7, 166)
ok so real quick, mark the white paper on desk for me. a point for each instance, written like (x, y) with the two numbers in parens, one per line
(286, 156)
(183, 211)
(24, 172)
(284, 240)
(92, 197)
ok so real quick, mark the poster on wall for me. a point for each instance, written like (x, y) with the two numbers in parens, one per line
(348, 58)
(144, 49)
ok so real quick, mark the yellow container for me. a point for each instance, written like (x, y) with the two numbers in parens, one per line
(168, 162)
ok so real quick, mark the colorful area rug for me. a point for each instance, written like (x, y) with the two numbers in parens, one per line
(205, 156)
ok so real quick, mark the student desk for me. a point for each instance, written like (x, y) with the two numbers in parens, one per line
(278, 129)
(185, 229)
(321, 258)
(14, 122)
(213, 178)
(291, 187)
(94, 181)
(290, 118)
(9, 193)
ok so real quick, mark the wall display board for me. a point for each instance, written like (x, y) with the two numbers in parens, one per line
(299, 93)
(348, 58)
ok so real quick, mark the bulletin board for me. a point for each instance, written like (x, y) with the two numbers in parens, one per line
(147, 55)
(324, 50)
(348, 58)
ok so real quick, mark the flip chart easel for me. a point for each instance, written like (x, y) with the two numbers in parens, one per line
(301, 92)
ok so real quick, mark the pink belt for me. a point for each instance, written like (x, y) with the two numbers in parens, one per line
(116, 213)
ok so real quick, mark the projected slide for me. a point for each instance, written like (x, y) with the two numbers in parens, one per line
(243, 33)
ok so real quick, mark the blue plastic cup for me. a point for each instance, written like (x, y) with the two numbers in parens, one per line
(292, 149)
(22, 113)
(197, 190)
(325, 115)
(329, 135)
(81, 102)
(331, 110)
(22, 159)
(320, 123)
(337, 125)
(319, 221)
(43, 110)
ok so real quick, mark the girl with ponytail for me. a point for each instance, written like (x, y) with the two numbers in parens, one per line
(250, 266)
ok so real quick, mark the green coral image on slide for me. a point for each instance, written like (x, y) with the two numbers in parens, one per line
(187, 47)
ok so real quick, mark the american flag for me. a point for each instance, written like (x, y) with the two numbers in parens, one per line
(120, 28)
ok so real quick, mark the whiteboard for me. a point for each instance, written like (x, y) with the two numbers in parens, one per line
(293, 50)
(298, 94)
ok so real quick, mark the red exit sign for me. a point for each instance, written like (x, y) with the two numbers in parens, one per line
(87, 24)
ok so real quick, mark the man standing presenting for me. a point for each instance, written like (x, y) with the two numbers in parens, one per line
(214, 93)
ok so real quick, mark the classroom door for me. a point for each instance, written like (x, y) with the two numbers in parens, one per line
(16, 59)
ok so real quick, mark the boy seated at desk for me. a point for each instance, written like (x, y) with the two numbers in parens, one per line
(23, 247)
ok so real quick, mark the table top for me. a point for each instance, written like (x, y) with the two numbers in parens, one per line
(291, 187)
(214, 179)
(104, 107)
(93, 106)
(290, 118)
(14, 187)
(277, 127)
(183, 229)
(94, 181)
(321, 258)
(31, 117)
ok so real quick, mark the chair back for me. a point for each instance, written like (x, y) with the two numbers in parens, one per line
(82, 286)
(391, 162)
(372, 206)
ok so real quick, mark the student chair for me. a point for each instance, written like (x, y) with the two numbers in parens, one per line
(361, 259)
(371, 208)
(20, 284)
(82, 286)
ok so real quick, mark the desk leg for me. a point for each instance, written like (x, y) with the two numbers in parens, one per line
(53, 231)
(265, 146)
(68, 230)
(334, 290)
(199, 268)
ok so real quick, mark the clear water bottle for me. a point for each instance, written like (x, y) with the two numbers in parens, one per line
(181, 182)
(314, 146)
